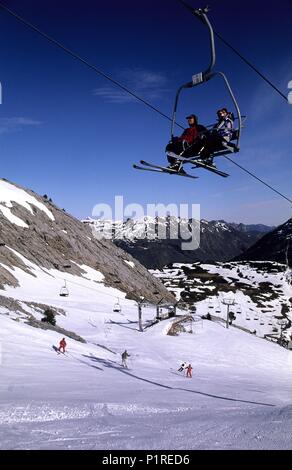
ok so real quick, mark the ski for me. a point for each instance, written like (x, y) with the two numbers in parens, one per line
(181, 158)
(152, 165)
(210, 168)
(199, 164)
(192, 160)
(167, 170)
(137, 167)
(161, 169)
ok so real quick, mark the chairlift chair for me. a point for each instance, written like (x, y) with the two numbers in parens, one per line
(117, 307)
(67, 265)
(64, 292)
(203, 77)
(191, 155)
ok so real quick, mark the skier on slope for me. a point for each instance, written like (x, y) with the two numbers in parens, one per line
(182, 367)
(62, 345)
(125, 355)
(189, 371)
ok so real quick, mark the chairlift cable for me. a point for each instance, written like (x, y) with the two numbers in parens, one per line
(127, 90)
(258, 179)
(247, 62)
(84, 61)
(87, 287)
(252, 66)
(96, 290)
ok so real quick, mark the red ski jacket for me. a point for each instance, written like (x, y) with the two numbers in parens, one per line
(63, 343)
(190, 134)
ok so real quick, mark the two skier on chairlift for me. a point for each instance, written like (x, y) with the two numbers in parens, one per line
(197, 140)
(199, 145)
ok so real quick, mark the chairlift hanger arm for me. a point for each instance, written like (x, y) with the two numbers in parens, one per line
(201, 14)
(201, 77)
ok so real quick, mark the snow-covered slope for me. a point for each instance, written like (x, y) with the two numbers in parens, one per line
(239, 396)
(10, 194)
(261, 292)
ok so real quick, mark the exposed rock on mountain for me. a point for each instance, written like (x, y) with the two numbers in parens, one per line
(274, 246)
(34, 232)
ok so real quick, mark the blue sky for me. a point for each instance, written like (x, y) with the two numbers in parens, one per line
(68, 132)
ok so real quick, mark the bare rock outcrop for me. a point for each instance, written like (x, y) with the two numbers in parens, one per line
(52, 239)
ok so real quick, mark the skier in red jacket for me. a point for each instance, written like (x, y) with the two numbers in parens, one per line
(62, 345)
(186, 140)
(189, 371)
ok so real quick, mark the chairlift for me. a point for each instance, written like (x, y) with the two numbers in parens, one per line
(67, 265)
(64, 292)
(204, 77)
(117, 307)
(191, 154)
(247, 317)
(270, 322)
(239, 310)
(262, 321)
(256, 317)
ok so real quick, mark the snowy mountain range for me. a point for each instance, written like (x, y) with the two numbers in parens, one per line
(219, 240)
(274, 246)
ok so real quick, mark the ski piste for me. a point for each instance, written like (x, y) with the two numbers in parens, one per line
(160, 169)
(199, 164)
